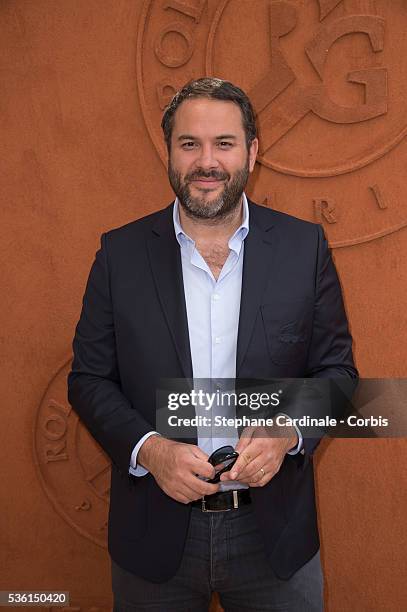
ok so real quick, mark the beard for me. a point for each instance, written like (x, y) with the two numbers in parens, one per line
(202, 208)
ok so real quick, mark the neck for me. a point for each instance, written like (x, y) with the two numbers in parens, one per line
(212, 229)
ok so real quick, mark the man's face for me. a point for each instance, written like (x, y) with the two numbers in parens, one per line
(209, 163)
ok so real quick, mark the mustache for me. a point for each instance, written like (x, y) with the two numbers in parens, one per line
(211, 174)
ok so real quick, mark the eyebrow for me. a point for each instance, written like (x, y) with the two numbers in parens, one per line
(221, 137)
(226, 137)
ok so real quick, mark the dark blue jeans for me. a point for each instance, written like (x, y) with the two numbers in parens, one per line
(223, 552)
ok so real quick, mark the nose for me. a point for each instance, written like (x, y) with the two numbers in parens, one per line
(207, 157)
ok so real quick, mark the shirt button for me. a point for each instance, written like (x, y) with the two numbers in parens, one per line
(216, 296)
(218, 340)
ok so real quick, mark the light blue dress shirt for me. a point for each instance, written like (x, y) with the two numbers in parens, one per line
(213, 307)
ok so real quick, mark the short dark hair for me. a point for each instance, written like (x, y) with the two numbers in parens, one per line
(216, 89)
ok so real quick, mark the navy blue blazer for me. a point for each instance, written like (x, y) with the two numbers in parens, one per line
(133, 332)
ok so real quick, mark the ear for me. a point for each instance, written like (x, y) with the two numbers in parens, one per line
(253, 149)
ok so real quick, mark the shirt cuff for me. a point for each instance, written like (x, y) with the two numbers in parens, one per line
(298, 448)
(139, 470)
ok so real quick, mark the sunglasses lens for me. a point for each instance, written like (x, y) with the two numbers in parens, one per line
(220, 454)
(222, 461)
(228, 461)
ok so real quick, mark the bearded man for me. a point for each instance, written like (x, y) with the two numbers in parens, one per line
(211, 287)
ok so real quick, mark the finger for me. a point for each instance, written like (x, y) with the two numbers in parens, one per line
(205, 472)
(239, 466)
(200, 467)
(226, 476)
(258, 478)
(198, 452)
(200, 487)
(181, 493)
(258, 483)
(262, 480)
(208, 489)
(244, 459)
(244, 439)
(253, 468)
(196, 489)
(269, 473)
(181, 498)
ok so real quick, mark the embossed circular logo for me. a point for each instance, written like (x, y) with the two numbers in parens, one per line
(73, 470)
(327, 80)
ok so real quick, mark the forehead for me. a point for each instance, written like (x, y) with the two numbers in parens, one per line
(207, 117)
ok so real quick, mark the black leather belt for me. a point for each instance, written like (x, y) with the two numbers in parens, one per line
(223, 501)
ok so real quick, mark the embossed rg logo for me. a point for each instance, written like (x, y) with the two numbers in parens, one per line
(299, 100)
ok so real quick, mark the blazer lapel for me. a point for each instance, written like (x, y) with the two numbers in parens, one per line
(165, 259)
(256, 272)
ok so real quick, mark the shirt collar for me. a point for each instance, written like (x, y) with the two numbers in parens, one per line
(235, 242)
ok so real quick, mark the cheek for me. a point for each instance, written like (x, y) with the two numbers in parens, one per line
(183, 166)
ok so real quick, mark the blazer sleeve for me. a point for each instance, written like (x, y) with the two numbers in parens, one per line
(330, 354)
(94, 389)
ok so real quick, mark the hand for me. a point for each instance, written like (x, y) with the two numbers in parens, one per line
(261, 454)
(176, 467)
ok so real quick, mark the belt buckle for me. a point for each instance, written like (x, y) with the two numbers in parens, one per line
(235, 504)
(205, 509)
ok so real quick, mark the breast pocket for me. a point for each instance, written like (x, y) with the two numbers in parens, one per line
(288, 327)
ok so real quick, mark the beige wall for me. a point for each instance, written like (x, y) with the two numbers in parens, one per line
(83, 84)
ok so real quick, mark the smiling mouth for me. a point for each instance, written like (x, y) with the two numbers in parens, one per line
(208, 182)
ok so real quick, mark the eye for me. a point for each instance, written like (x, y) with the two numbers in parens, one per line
(190, 144)
(224, 144)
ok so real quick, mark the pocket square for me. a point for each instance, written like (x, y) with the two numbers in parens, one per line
(290, 333)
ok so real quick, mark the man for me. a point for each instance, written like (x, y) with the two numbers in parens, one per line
(212, 287)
